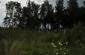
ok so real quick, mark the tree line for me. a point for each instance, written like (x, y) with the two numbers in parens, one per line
(44, 16)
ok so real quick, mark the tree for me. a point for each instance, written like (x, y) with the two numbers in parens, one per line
(23, 19)
(59, 12)
(35, 18)
(84, 3)
(47, 13)
(27, 15)
(30, 15)
(67, 20)
(81, 15)
(72, 5)
(13, 13)
(73, 9)
(70, 15)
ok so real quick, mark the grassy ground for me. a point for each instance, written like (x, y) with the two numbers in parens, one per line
(25, 42)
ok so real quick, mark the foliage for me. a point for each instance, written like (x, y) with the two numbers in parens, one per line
(13, 14)
(14, 41)
(44, 16)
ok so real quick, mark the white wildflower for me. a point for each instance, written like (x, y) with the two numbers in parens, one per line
(64, 53)
(60, 44)
(53, 44)
(56, 53)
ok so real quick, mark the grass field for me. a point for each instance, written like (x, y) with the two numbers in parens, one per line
(25, 42)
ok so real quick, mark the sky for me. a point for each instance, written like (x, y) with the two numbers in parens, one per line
(23, 3)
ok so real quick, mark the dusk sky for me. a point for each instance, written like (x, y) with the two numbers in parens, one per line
(23, 3)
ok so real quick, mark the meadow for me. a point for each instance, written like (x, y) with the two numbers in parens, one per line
(15, 41)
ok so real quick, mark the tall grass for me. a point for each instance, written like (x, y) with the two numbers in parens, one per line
(25, 42)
